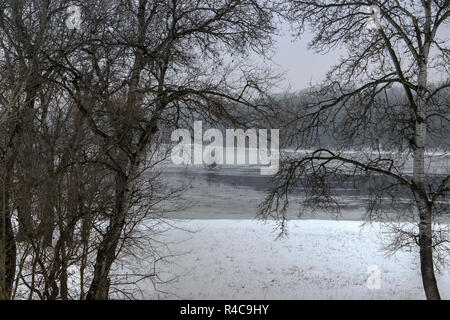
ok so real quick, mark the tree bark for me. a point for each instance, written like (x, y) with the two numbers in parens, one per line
(423, 204)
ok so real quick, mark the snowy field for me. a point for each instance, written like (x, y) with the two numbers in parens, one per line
(320, 259)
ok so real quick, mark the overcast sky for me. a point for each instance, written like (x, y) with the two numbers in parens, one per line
(302, 65)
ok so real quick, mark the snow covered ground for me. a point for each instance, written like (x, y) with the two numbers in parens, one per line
(320, 259)
(230, 256)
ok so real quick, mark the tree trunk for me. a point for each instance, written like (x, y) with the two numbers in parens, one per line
(7, 247)
(27, 136)
(106, 254)
(426, 252)
(25, 229)
(422, 201)
(99, 288)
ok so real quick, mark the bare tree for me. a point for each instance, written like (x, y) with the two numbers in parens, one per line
(383, 104)
(166, 59)
(20, 58)
(83, 113)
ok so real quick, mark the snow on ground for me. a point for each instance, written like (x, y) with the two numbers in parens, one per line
(320, 259)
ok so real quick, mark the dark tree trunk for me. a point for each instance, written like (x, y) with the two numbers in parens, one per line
(7, 247)
(99, 288)
(106, 254)
(24, 215)
(27, 136)
(426, 249)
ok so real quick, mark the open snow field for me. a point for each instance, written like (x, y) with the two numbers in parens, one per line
(320, 259)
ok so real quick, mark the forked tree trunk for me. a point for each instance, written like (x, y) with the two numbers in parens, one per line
(106, 254)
